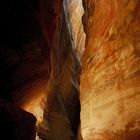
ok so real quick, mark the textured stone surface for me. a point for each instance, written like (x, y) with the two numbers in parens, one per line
(24, 53)
(24, 58)
(74, 12)
(43, 49)
(62, 105)
(109, 90)
(24, 75)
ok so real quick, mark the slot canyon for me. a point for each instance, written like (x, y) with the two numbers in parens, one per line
(70, 70)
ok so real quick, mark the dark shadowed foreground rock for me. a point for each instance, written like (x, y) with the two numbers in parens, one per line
(15, 123)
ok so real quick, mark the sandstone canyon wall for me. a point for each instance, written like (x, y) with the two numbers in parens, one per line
(45, 44)
(62, 106)
(43, 68)
(109, 88)
(24, 69)
(74, 12)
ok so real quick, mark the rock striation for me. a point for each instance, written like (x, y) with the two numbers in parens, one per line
(62, 106)
(74, 12)
(109, 84)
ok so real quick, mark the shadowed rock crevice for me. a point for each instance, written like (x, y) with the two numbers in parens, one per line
(75, 89)
(63, 83)
(41, 47)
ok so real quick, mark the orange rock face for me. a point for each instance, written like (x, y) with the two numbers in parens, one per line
(109, 90)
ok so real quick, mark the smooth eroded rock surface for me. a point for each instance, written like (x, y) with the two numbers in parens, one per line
(109, 90)
(62, 106)
(74, 12)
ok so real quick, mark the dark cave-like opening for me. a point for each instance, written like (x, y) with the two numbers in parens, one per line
(25, 59)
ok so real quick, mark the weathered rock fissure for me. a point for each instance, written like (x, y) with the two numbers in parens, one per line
(62, 106)
(44, 59)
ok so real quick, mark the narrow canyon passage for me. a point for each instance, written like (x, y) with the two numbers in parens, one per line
(45, 64)
(62, 105)
(70, 70)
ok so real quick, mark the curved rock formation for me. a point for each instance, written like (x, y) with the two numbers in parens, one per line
(41, 49)
(24, 66)
(44, 60)
(74, 12)
(62, 92)
(109, 89)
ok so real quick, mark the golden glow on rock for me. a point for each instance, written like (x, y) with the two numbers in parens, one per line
(35, 107)
(33, 100)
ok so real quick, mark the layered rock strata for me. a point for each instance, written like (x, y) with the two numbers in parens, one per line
(109, 89)
(74, 12)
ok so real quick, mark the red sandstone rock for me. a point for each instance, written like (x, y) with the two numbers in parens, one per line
(109, 89)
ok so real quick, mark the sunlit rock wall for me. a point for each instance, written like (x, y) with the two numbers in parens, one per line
(109, 89)
(74, 11)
